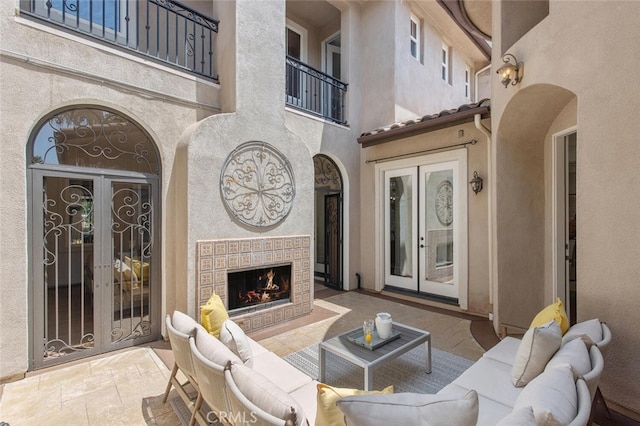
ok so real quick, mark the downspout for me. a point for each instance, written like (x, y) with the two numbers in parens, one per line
(487, 133)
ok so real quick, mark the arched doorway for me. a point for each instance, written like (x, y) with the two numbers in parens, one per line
(94, 183)
(329, 221)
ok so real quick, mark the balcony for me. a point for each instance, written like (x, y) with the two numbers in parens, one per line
(314, 92)
(162, 30)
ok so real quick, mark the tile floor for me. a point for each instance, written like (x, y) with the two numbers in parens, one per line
(126, 387)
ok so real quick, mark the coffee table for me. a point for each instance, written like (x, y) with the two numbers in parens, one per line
(371, 359)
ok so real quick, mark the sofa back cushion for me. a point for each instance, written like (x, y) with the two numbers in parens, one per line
(234, 338)
(327, 413)
(592, 329)
(552, 395)
(265, 395)
(214, 350)
(411, 409)
(574, 353)
(536, 348)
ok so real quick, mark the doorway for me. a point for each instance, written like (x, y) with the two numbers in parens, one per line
(425, 226)
(328, 222)
(94, 206)
(565, 172)
(331, 58)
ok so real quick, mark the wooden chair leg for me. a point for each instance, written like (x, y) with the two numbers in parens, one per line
(174, 371)
(600, 397)
(196, 410)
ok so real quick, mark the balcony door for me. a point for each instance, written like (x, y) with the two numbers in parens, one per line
(332, 99)
(296, 39)
(425, 227)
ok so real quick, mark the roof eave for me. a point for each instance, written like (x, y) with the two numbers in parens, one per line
(424, 126)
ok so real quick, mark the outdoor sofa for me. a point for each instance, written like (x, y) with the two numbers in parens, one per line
(243, 383)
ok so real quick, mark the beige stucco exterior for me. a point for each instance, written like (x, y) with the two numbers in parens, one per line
(573, 60)
(195, 123)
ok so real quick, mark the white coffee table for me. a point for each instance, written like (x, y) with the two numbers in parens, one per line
(371, 359)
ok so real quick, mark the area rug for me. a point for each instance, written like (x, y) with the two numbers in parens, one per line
(406, 373)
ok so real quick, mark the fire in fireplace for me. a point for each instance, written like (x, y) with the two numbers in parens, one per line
(262, 286)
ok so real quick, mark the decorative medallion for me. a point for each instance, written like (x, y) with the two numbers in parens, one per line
(257, 184)
(444, 203)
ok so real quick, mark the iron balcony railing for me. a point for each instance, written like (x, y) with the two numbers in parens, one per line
(313, 91)
(164, 30)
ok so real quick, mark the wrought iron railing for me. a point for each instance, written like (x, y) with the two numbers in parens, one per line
(313, 91)
(164, 30)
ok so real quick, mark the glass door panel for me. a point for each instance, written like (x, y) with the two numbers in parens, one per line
(438, 220)
(131, 225)
(401, 228)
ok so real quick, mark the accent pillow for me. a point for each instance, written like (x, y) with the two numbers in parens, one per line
(552, 395)
(234, 338)
(576, 354)
(183, 322)
(410, 409)
(124, 274)
(267, 396)
(554, 311)
(592, 329)
(328, 414)
(521, 417)
(213, 314)
(141, 269)
(536, 349)
(213, 349)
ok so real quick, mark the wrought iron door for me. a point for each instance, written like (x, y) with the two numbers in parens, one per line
(94, 278)
(333, 240)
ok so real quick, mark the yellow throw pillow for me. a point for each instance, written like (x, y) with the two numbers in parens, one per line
(328, 413)
(213, 314)
(140, 268)
(555, 311)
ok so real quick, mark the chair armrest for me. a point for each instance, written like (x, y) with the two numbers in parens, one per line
(606, 336)
(584, 404)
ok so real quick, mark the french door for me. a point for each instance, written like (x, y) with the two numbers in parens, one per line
(94, 274)
(425, 227)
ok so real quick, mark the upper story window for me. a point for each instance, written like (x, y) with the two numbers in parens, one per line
(467, 82)
(446, 67)
(296, 41)
(414, 37)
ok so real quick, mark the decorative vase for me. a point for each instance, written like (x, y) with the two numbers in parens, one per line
(383, 325)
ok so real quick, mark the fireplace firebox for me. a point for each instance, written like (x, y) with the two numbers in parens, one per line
(257, 288)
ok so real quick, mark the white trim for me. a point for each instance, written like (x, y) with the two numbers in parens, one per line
(558, 214)
(415, 39)
(459, 155)
(302, 31)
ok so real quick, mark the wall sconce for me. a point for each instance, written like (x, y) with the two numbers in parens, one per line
(510, 73)
(476, 183)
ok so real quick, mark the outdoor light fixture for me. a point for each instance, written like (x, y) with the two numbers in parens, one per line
(510, 72)
(476, 183)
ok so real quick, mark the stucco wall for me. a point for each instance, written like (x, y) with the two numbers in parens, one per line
(53, 79)
(572, 50)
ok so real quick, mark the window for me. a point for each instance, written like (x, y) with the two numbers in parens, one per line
(467, 82)
(414, 37)
(445, 63)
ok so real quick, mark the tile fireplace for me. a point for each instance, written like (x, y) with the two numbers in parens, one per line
(270, 278)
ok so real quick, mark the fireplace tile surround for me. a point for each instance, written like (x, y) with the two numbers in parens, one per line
(215, 258)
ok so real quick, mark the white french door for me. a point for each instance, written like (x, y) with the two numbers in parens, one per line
(425, 226)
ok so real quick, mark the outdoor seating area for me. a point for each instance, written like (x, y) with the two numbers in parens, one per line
(139, 386)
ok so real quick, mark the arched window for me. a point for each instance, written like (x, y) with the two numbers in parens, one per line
(94, 137)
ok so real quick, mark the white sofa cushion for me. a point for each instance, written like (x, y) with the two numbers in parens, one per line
(505, 351)
(521, 417)
(234, 338)
(536, 349)
(575, 354)
(280, 371)
(183, 322)
(591, 328)
(492, 379)
(410, 409)
(266, 395)
(552, 395)
(489, 411)
(213, 349)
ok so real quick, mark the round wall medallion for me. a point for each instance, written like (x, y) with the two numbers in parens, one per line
(257, 184)
(444, 203)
